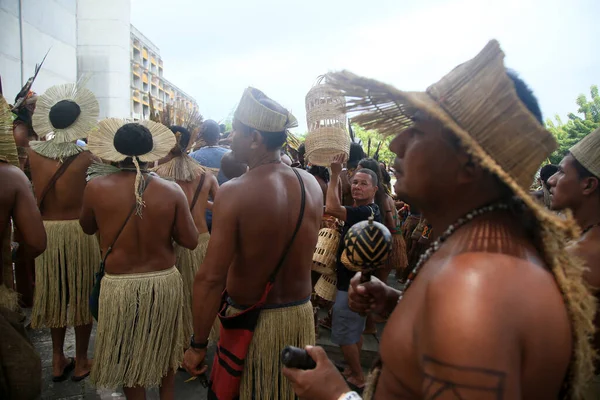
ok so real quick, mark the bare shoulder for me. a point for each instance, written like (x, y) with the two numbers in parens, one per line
(13, 177)
(587, 249)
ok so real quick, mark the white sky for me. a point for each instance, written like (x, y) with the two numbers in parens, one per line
(215, 49)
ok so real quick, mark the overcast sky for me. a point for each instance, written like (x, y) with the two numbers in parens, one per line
(215, 49)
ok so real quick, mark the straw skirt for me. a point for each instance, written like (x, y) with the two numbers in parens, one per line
(140, 336)
(188, 262)
(277, 328)
(64, 276)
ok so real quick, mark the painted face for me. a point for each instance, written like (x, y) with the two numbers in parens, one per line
(565, 185)
(426, 164)
(362, 187)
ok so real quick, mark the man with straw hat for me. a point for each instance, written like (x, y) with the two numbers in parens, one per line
(496, 307)
(576, 186)
(139, 341)
(264, 233)
(64, 273)
(197, 182)
(20, 365)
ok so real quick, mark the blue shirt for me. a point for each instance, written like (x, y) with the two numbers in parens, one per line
(210, 156)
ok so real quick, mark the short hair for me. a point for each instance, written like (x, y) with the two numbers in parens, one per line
(210, 131)
(526, 95)
(547, 171)
(321, 172)
(356, 154)
(184, 138)
(372, 174)
(133, 140)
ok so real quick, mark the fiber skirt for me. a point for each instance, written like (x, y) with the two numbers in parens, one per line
(139, 339)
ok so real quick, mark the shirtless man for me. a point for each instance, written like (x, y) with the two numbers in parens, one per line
(197, 182)
(248, 240)
(576, 186)
(65, 271)
(484, 318)
(141, 291)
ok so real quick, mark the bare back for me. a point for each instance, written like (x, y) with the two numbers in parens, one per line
(145, 243)
(265, 205)
(199, 210)
(63, 201)
(588, 250)
(484, 314)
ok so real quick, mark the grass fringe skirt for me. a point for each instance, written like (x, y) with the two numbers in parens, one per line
(276, 329)
(398, 259)
(188, 262)
(64, 276)
(139, 337)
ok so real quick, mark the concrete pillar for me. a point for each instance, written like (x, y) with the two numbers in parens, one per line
(103, 53)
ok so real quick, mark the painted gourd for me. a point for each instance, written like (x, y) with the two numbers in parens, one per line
(368, 244)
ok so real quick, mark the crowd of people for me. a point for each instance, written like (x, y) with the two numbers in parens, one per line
(174, 239)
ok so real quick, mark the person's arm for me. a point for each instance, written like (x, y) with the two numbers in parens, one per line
(333, 204)
(469, 345)
(388, 214)
(26, 215)
(214, 186)
(184, 231)
(87, 218)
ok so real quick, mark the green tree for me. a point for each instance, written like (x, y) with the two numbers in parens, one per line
(376, 141)
(576, 128)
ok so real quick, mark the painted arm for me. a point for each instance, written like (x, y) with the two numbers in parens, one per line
(26, 215)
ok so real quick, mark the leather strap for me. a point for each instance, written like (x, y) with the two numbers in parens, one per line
(109, 250)
(300, 217)
(59, 172)
(197, 193)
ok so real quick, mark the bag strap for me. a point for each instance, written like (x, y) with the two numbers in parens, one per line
(300, 217)
(59, 172)
(109, 250)
(197, 193)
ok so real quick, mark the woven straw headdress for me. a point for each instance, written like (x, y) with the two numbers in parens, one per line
(8, 148)
(101, 143)
(69, 111)
(252, 113)
(478, 102)
(587, 152)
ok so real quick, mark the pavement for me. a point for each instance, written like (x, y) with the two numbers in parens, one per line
(184, 389)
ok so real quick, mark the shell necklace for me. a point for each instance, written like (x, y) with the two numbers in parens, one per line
(435, 246)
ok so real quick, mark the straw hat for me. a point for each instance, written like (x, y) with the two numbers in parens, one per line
(478, 102)
(252, 113)
(68, 111)
(8, 148)
(101, 143)
(587, 152)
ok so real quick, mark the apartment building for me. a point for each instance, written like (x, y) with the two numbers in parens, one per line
(147, 79)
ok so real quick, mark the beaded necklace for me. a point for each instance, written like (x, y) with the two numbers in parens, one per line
(435, 246)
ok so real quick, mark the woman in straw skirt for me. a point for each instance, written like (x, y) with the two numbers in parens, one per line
(496, 308)
(64, 273)
(140, 336)
(197, 183)
(576, 186)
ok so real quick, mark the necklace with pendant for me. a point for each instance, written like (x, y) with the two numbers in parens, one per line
(435, 246)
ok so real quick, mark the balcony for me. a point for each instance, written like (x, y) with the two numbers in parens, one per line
(145, 54)
(136, 44)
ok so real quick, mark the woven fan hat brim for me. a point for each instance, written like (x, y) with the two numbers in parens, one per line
(85, 122)
(8, 148)
(587, 152)
(101, 142)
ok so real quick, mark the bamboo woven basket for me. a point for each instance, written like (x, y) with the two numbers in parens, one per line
(326, 287)
(326, 119)
(325, 253)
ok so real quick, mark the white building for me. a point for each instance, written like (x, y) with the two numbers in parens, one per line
(91, 38)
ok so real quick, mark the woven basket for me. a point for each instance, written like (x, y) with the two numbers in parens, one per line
(326, 287)
(326, 119)
(326, 251)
